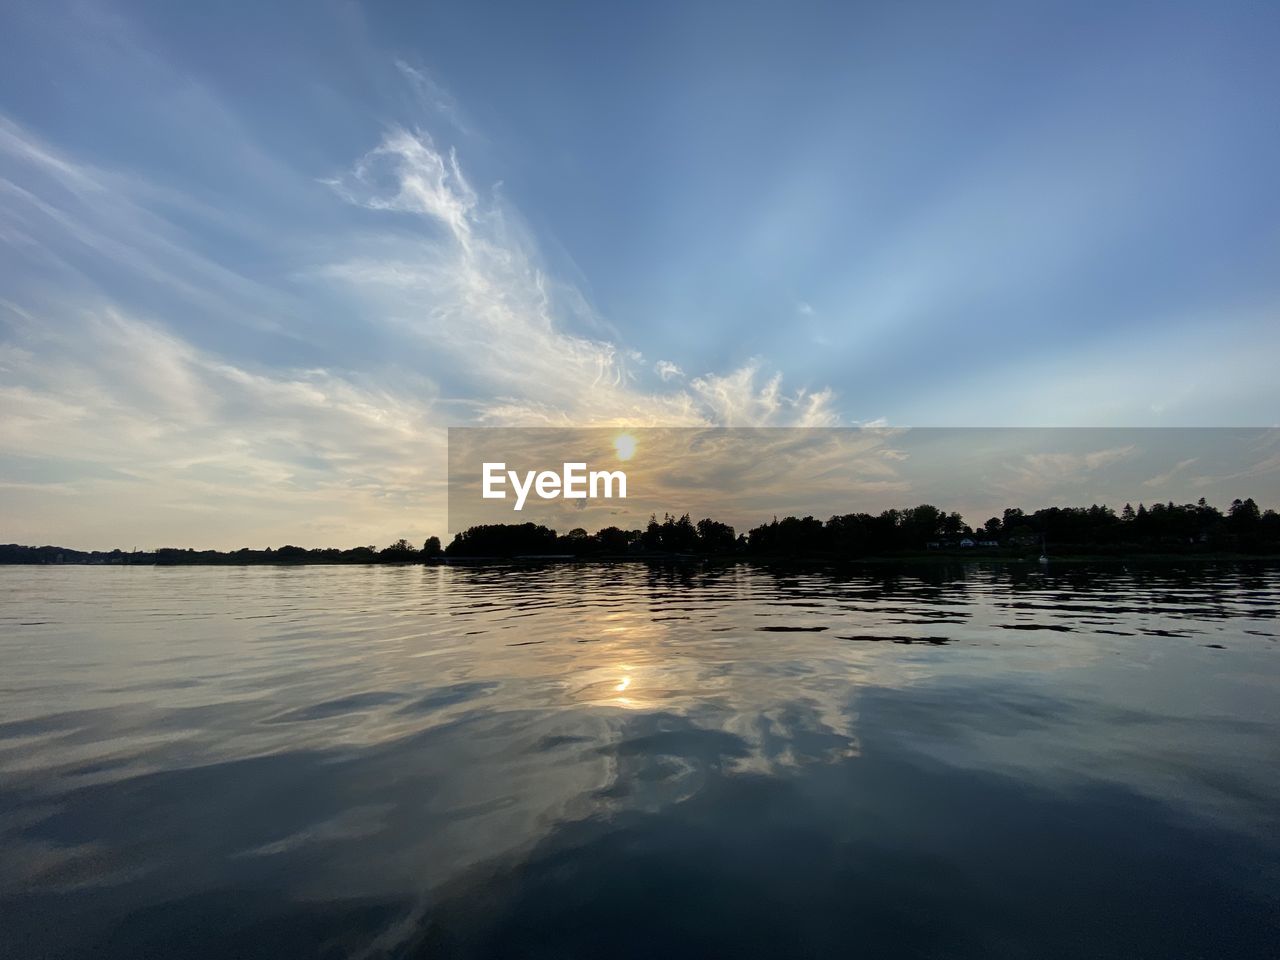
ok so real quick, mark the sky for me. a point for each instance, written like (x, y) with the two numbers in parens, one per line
(256, 258)
(746, 476)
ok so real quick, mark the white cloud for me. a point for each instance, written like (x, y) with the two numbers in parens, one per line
(155, 436)
(426, 182)
(1037, 473)
(476, 290)
(1162, 480)
(735, 400)
(667, 370)
(432, 97)
(120, 429)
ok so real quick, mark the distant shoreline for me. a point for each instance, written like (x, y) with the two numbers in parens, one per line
(931, 558)
(922, 535)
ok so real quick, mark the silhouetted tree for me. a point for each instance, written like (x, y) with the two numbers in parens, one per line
(715, 537)
(400, 551)
(503, 540)
(1244, 515)
(614, 540)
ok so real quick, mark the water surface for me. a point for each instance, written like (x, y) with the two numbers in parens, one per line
(630, 761)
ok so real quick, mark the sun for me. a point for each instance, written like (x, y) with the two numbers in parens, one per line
(625, 445)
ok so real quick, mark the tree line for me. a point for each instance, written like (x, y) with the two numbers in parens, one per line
(1161, 527)
(402, 551)
(1165, 527)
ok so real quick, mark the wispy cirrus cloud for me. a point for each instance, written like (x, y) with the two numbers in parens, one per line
(1162, 480)
(144, 433)
(111, 400)
(475, 288)
(433, 98)
(667, 370)
(1059, 465)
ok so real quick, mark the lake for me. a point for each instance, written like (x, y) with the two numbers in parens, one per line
(625, 760)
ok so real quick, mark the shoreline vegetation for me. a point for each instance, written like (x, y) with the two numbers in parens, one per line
(1163, 531)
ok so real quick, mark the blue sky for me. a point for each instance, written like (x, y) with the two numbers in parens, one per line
(256, 257)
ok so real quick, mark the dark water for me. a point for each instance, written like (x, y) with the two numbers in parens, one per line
(621, 761)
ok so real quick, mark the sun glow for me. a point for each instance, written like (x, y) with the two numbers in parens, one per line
(625, 446)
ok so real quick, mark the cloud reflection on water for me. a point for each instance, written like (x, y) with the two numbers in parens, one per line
(382, 741)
